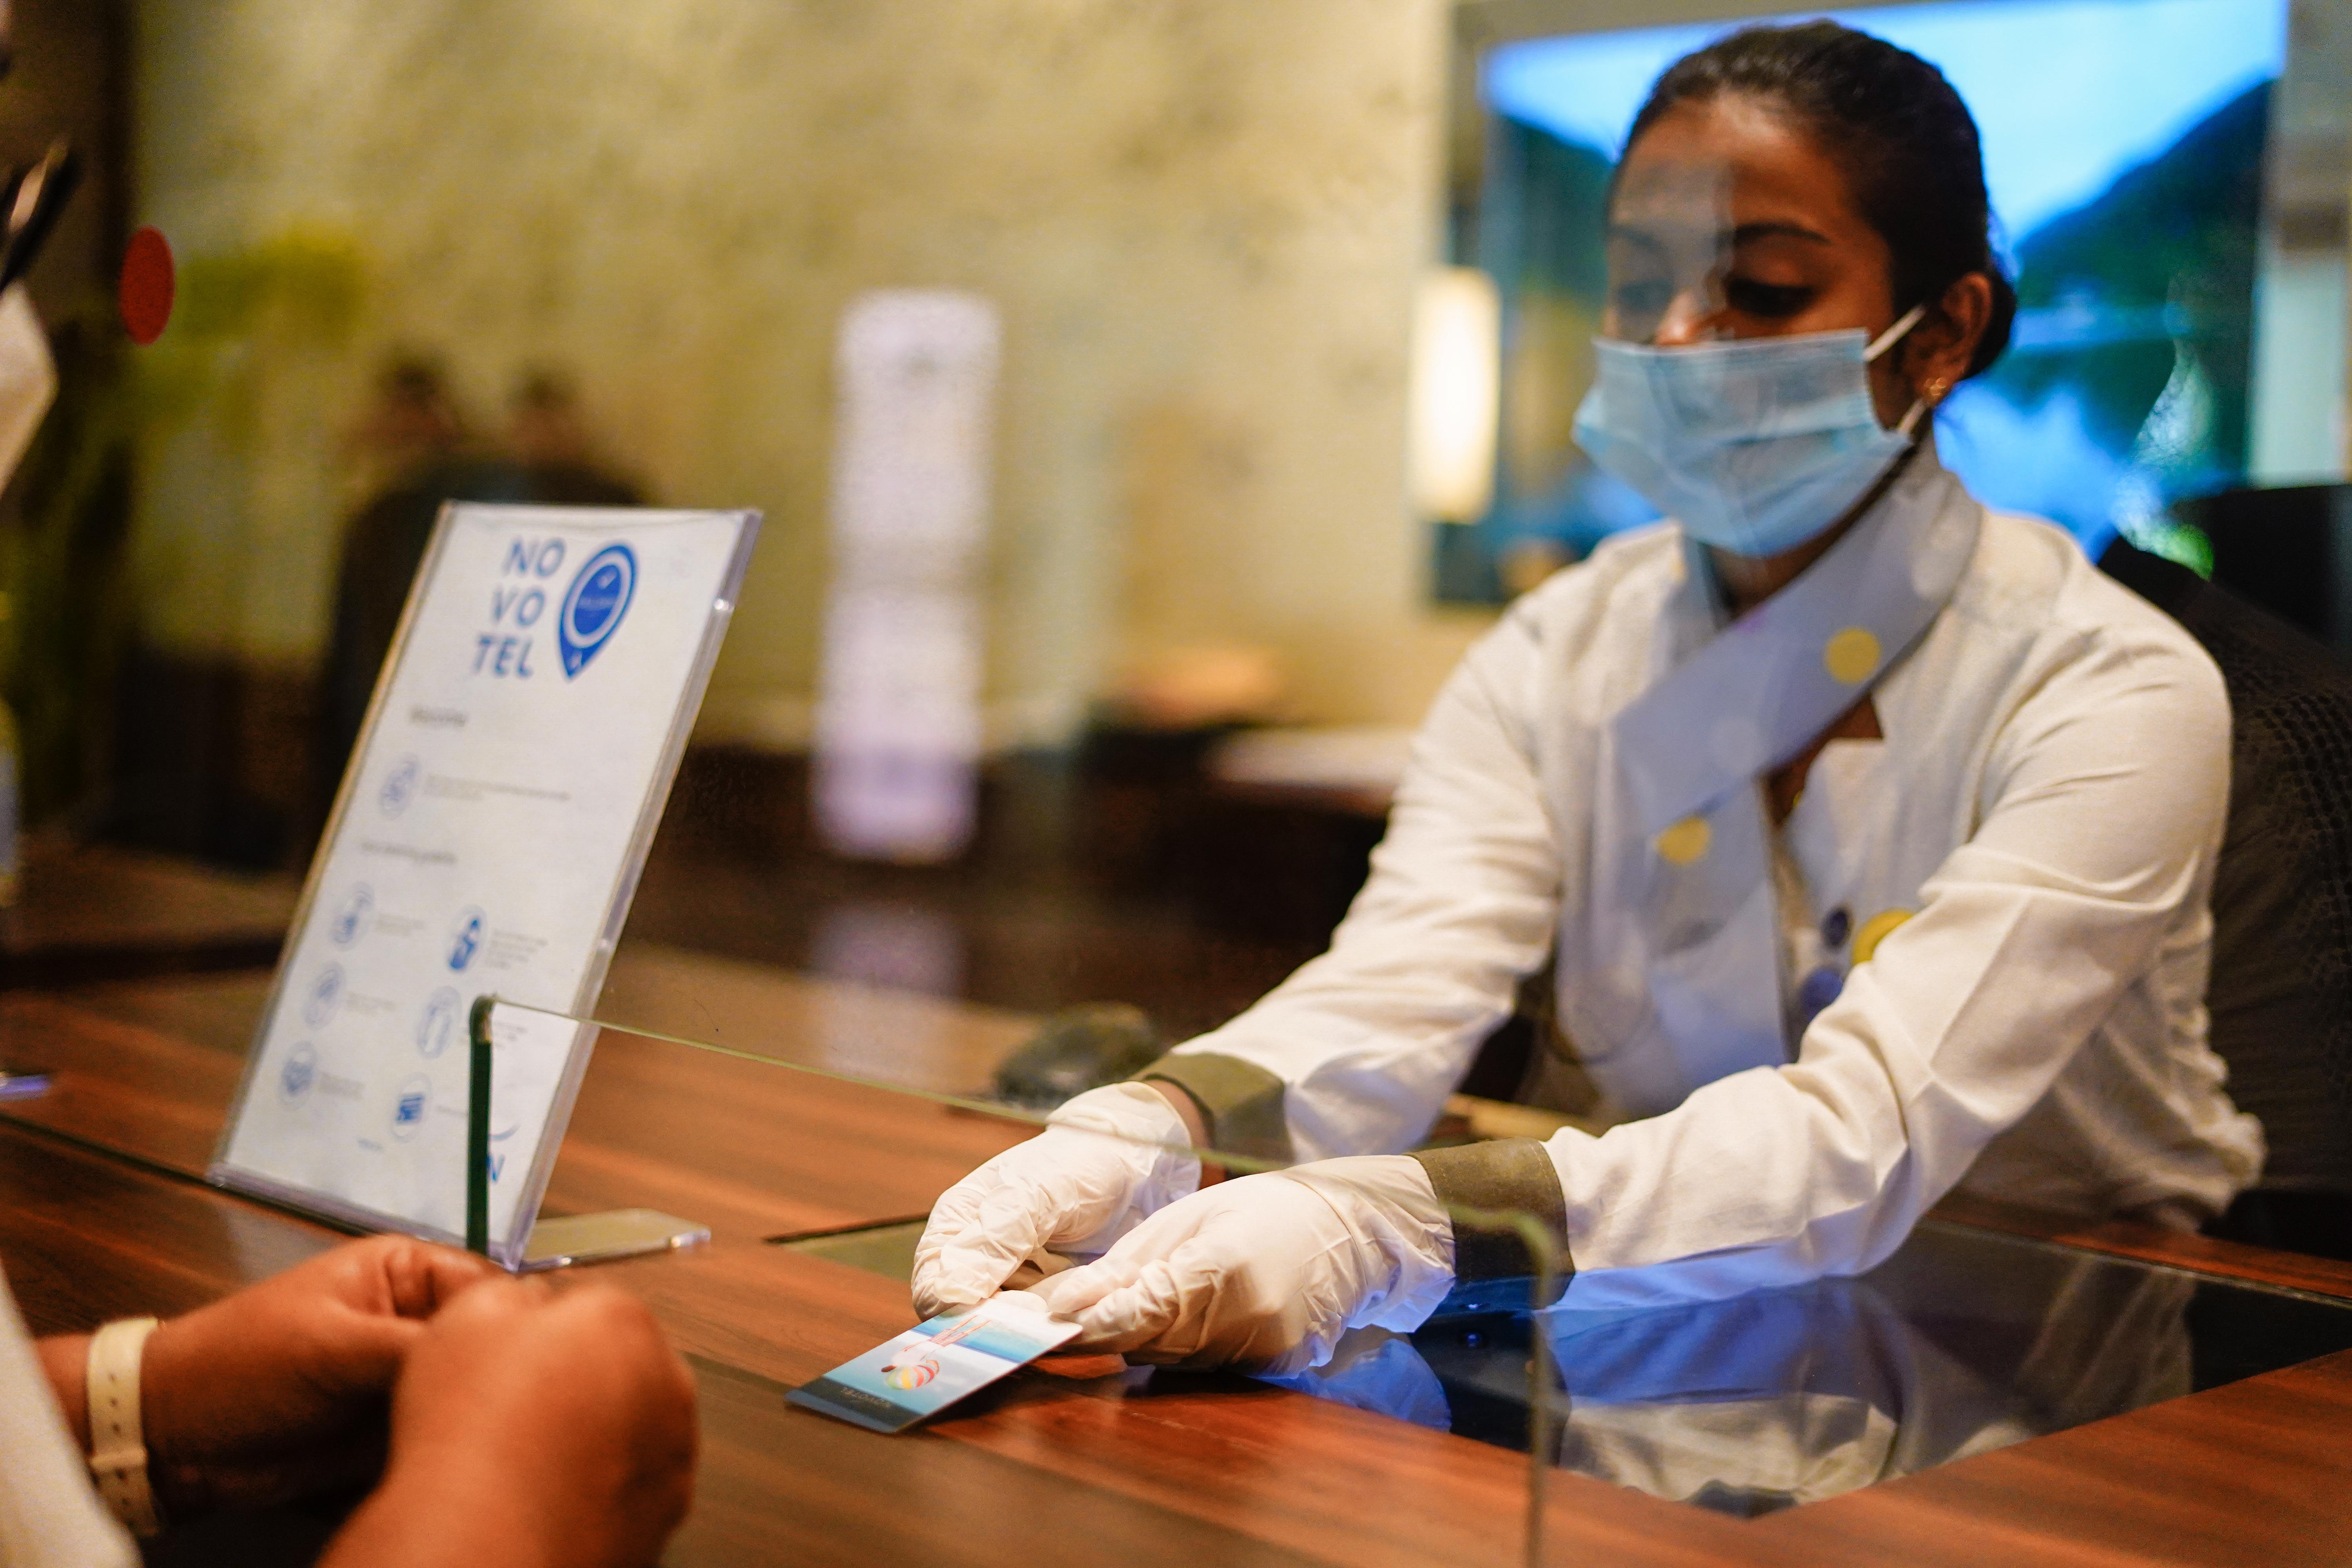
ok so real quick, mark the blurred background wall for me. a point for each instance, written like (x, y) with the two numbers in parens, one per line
(1204, 224)
(1201, 221)
(63, 611)
(1207, 224)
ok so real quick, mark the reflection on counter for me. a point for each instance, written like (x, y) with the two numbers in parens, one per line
(1961, 1342)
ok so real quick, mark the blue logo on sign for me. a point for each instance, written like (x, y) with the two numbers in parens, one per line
(295, 1077)
(593, 608)
(465, 938)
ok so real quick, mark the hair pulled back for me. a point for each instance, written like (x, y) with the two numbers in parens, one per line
(1907, 144)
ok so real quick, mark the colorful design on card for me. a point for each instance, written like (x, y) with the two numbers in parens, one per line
(911, 1372)
(930, 1367)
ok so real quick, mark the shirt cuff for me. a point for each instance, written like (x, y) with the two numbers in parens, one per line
(1508, 1174)
(1241, 1103)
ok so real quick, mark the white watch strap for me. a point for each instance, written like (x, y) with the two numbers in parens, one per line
(117, 1441)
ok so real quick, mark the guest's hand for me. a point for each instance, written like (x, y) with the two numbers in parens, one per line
(282, 1388)
(532, 1429)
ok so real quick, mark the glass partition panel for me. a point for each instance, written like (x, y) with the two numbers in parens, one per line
(772, 1140)
(1965, 1341)
(902, 1037)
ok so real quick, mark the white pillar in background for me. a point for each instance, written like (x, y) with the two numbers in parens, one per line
(898, 722)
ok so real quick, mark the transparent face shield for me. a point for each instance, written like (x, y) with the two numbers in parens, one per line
(1673, 254)
(1670, 252)
(1755, 445)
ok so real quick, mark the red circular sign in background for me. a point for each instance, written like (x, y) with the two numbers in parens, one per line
(147, 285)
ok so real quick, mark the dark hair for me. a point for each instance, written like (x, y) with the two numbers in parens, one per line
(1905, 141)
(544, 387)
(413, 378)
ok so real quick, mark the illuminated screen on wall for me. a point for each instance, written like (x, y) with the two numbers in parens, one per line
(2124, 151)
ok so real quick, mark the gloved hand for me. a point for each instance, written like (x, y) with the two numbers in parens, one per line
(1267, 1272)
(1105, 1159)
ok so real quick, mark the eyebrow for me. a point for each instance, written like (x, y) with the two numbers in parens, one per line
(1744, 234)
(1748, 231)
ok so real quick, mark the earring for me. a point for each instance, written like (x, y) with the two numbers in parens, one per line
(1937, 387)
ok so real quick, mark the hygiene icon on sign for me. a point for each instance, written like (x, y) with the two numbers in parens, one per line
(326, 991)
(351, 917)
(465, 938)
(439, 1024)
(399, 786)
(299, 1072)
(408, 1108)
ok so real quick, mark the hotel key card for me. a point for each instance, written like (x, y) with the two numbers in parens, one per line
(932, 1366)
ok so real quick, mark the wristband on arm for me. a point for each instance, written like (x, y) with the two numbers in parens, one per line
(117, 1441)
(1510, 1175)
(1241, 1103)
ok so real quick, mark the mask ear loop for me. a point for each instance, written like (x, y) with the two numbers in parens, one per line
(1887, 340)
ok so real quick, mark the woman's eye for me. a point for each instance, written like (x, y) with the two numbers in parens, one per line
(1771, 301)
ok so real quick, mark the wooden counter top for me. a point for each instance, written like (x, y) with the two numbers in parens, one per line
(1127, 1466)
(751, 1150)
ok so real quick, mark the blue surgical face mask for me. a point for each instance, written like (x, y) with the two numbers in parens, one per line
(1753, 445)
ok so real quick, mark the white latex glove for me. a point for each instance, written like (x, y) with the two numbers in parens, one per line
(1267, 1272)
(1105, 1159)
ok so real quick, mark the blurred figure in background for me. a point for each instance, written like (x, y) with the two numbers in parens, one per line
(414, 443)
(413, 439)
(549, 437)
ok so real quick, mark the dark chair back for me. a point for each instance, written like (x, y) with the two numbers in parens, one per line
(2285, 548)
(2280, 995)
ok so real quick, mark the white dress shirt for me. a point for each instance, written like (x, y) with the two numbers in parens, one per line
(2045, 805)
